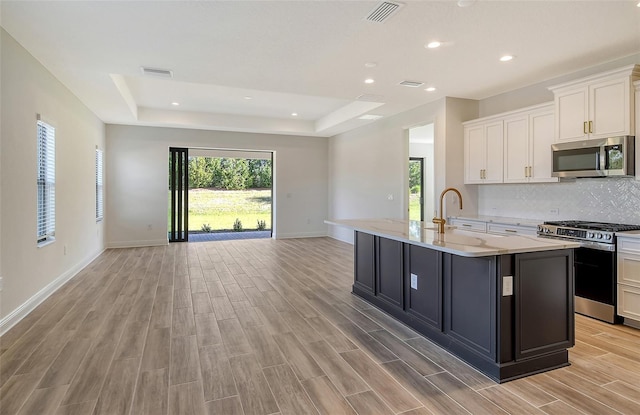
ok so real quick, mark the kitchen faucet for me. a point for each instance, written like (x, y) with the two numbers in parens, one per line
(441, 221)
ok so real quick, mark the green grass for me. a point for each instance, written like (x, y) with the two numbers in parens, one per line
(220, 208)
(414, 206)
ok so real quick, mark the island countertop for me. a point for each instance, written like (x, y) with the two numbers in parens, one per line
(453, 241)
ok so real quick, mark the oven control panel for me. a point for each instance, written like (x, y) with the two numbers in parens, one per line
(575, 233)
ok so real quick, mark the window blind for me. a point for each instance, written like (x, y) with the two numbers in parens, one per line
(99, 185)
(46, 182)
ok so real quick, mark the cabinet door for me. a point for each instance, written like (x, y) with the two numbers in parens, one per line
(610, 108)
(494, 152)
(364, 261)
(540, 140)
(424, 289)
(390, 275)
(629, 302)
(474, 154)
(572, 111)
(516, 149)
(543, 290)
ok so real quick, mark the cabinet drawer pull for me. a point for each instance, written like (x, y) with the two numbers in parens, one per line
(467, 225)
(526, 171)
(584, 128)
(510, 230)
(591, 126)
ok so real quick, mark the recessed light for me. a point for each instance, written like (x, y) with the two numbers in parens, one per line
(294, 114)
(371, 64)
(369, 81)
(506, 58)
(248, 97)
(433, 45)
(430, 89)
(175, 104)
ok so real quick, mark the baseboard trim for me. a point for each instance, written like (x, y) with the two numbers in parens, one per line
(319, 234)
(28, 306)
(137, 244)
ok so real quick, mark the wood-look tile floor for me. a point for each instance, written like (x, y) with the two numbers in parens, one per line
(269, 327)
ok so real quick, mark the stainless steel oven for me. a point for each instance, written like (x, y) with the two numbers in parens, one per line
(594, 264)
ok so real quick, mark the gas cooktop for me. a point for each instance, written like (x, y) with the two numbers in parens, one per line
(597, 226)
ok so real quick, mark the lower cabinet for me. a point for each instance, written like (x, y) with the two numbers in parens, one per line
(470, 302)
(628, 262)
(389, 275)
(364, 262)
(544, 308)
(423, 291)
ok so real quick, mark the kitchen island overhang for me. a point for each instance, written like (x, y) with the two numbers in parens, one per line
(503, 304)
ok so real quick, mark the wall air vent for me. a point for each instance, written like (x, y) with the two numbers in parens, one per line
(383, 11)
(163, 73)
(412, 84)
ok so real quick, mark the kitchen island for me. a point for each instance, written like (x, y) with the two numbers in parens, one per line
(503, 304)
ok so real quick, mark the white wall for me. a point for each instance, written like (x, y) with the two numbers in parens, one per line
(30, 273)
(370, 163)
(137, 178)
(539, 93)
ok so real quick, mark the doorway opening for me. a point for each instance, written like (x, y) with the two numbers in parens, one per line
(421, 172)
(229, 195)
(416, 188)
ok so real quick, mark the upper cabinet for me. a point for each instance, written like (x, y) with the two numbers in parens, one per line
(528, 136)
(483, 146)
(513, 147)
(598, 106)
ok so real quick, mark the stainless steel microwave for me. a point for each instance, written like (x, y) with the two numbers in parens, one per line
(613, 156)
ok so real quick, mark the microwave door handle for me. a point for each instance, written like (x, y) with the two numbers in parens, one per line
(601, 163)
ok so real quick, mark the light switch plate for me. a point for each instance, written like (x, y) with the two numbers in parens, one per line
(507, 286)
(414, 281)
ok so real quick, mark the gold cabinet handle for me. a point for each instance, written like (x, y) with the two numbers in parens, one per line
(526, 171)
(510, 231)
(591, 126)
(530, 171)
(584, 128)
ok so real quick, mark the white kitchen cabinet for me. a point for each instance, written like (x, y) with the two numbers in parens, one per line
(597, 106)
(468, 224)
(505, 229)
(483, 152)
(528, 136)
(628, 264)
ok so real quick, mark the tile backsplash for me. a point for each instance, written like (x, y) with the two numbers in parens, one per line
(605, 199)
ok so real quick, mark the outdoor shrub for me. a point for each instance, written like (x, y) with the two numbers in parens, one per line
(237, 225)
(206, 228)
(262, 225)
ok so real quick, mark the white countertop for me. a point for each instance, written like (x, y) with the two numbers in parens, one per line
(628, 234)
(453, 241)
(502, 220)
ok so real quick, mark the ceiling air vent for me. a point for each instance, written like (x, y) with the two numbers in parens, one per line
(383, 11)
(163, 73)
(412, 84)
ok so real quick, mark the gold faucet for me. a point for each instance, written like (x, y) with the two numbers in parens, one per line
(441, 221)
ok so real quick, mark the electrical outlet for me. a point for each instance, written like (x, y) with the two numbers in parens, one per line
(414, 281)
(65, 249)
(554, 211)
(390, 196)
(149, 227)
(507, 286)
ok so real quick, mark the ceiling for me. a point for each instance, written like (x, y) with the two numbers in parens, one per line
(248, 65)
